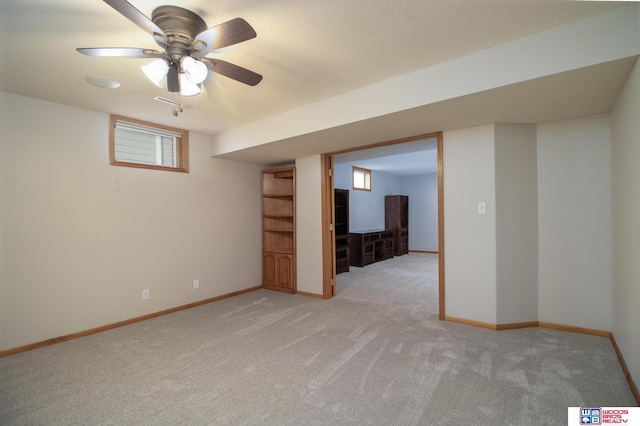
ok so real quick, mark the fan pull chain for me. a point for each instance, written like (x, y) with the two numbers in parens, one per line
(177, 108)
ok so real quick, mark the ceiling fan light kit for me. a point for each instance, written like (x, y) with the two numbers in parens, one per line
(196, 71)
(187, 87)
(186, 42)
(156, 71)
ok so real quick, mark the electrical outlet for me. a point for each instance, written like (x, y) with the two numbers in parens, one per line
(145, 294)
(196, 284)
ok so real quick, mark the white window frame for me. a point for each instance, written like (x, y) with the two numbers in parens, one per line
(179, 138)
(366, 178)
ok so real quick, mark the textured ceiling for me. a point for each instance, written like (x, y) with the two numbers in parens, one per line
(306, 50)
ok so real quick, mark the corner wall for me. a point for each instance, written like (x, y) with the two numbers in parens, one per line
(470, 238)
(574, 221)
(491, 259)
(81, 238)
(516, 223)
(625, 153)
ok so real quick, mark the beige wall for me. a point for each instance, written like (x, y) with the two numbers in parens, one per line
(308, 225)
(625, 150)
(80, 239)
(516, 223)
(470, 238)
(491, 259)
(543, 250)
(574, 190)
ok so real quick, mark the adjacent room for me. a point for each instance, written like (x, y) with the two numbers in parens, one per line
(400, 196)
(170, 243)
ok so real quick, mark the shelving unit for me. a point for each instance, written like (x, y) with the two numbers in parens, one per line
(341, 227)
(396, 218)
(370, 246)
(279, 230)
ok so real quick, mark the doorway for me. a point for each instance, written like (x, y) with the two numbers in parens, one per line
(328, 220)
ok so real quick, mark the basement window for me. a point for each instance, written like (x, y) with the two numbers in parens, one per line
(135, 143)
(361, 179)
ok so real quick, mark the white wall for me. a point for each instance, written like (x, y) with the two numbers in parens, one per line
(309, 225)
(423, 210)
(574, 222)
(625, 150)
(516, 223)
(81, 238)
(470, 239)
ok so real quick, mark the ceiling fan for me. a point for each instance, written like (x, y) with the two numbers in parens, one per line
(186, 42)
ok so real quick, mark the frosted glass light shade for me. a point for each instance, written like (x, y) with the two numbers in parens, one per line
(196, 71)
(156, 71)
(188, 88)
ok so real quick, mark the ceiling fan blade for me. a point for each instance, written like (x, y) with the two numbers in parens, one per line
(231, 32)
(134, 15)
(235, 72)
(132, 52)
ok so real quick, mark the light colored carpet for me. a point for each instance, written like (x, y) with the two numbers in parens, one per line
(375, 354)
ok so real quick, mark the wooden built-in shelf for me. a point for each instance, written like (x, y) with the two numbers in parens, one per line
(284, 173)
(281, 250)
(278, 230)
(284, 194)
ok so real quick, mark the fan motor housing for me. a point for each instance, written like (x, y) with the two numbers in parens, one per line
(181, 26)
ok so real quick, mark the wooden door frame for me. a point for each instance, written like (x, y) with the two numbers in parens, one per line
(328, 240)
